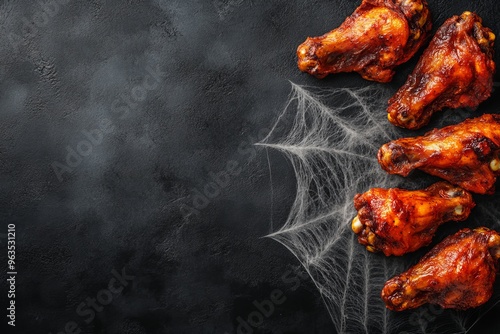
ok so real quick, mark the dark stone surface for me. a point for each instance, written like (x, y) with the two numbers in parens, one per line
(217, 74)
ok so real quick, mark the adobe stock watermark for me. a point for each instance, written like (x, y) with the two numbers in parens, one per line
(217, 181)
(226, 7)
(47, 9)
(121, 108)
(423, 316)
(265, 309)
(88, 308)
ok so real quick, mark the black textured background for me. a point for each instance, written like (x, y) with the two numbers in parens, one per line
(225, 70)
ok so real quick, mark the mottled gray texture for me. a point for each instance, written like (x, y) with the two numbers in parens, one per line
(227, 66)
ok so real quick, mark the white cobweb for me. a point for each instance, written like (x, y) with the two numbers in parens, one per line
(331, 137)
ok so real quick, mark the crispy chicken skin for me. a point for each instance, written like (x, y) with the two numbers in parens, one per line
(465, 154)
(457, 273)
(397, 221)
(377, 37)
(456, 70)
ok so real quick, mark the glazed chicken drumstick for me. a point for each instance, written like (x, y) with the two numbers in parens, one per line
(465, 154)
(456, 70)
(377, 37)
(397, 221)
(457, 273)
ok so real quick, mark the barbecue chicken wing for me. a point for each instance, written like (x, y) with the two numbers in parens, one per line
(457, 273)
(397, 221)
(465, 154)
(377, 37)
(456, 70)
